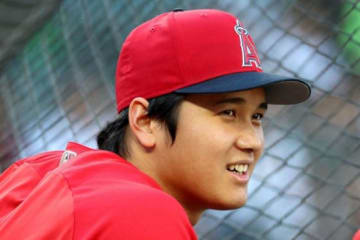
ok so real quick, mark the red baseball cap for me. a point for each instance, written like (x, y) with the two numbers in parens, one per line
(196, 51)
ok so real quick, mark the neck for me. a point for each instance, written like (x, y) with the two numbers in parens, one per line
(193, 215)
(192, 209)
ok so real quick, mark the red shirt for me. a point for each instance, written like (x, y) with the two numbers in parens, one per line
(357, 235)
(96, 195)
(21, 178)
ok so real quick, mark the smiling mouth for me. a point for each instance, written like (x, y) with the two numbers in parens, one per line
(240, 169)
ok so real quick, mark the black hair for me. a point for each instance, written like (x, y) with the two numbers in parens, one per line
(163, 108)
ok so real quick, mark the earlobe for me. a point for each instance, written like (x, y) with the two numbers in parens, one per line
(140, 123)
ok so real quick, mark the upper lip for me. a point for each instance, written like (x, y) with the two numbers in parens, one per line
(248, 162)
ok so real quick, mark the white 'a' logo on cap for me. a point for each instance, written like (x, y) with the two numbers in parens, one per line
(249, 54)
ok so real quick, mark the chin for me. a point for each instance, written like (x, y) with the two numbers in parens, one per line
(236, 204)
(231, 203)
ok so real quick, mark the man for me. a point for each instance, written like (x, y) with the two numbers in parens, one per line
(191, 96)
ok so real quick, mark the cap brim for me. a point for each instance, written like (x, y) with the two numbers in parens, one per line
(279, 89)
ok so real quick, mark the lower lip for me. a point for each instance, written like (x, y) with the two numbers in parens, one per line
(243, 178)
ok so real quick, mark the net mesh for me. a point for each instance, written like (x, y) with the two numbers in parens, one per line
(307, 184)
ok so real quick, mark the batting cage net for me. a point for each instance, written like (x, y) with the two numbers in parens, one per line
(59, 88)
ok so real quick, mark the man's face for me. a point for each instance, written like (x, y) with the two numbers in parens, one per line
(216, 135)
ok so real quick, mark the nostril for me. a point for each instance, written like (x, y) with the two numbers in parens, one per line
(248, 150)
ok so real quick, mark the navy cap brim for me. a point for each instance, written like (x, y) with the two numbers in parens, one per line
(278, 89)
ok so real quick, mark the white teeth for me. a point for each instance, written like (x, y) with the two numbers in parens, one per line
(239, 167)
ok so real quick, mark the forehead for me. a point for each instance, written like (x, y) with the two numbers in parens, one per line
(248, 97)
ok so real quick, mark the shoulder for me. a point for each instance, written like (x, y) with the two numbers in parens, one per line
(99, 206)
(114, 200)
(138, 213)
(18, 181)
(102, 178)
(132, 211)
(40, 163)
(136, 201)
(51, 202)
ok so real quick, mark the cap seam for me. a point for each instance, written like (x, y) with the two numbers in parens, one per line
(175, 44)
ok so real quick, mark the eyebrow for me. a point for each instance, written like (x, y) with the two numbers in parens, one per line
(238, 100)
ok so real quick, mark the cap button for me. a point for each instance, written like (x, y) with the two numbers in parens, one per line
(178, 10)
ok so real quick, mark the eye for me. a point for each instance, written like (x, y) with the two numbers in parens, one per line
(258, 116)
(230, 113)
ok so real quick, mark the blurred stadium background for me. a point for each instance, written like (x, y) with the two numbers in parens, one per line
(57, 63)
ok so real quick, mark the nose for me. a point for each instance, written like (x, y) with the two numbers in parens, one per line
(250, 140)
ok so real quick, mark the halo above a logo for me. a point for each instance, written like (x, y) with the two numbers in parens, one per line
(248, 49)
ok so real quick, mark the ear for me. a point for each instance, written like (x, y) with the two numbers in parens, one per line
(140, 123)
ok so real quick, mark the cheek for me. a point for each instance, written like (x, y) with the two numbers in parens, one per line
(259, 152)
(205, 138)
(201, 151)
(202, 148)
